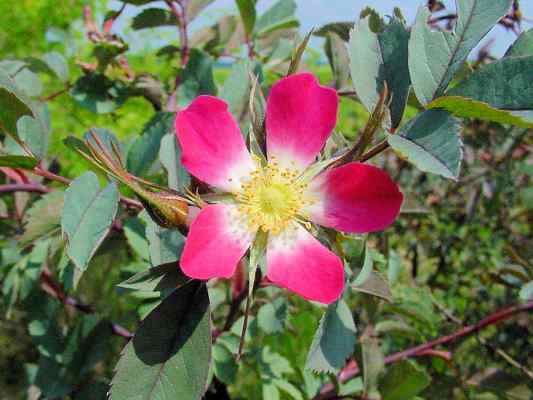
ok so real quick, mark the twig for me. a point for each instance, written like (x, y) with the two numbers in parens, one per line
(52, 96)
(132, 203)
(24, 187)
(449, 316)
(351, 370)
(54, 289)
(380, 147)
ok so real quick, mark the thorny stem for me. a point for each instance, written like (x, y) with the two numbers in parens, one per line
(352, 370)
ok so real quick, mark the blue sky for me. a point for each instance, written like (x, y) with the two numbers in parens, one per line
(314, 13)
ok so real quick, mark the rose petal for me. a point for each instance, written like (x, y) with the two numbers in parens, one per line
(300, 116)
(354, 198)
(300, 263)
(218, 238)
(213, 148)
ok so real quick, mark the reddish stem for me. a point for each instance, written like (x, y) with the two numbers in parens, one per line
(24, 187)
(352, 369)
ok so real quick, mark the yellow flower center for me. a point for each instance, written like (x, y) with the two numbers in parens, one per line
(272, 198)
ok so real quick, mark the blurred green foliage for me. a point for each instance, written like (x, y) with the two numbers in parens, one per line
(458, 252)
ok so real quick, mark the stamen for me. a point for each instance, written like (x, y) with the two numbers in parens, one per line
(272, 198)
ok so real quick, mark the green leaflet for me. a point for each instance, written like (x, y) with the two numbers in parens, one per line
(163, 278)
(236, 89)
(13, 105)
(88, 213)
(504, 84)
(43, 218)
(431, 142)
(153, 18)
(17, 161)
(374, 285)
(404, 380)
(145, 149)
(169, 356)
(379, 58)
(523, 46)
(272, 316)
(170, 156)
(248, 14)
(98, 94)
(165, 245)
(334, 339)
(279, 16)
(197, 78)
(436, 56)
(469, 108)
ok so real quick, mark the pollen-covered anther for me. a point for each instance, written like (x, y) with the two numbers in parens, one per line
(272, 198)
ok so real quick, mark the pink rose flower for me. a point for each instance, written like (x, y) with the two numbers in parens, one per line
(279, 198)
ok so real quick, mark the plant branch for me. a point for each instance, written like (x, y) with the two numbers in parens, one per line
(132, 203)
(54, 289)
(351, 370)
(24, 187)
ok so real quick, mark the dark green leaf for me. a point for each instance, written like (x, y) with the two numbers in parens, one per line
(91, 349)
(379, 58)
(88, 213)
(168, 358)
(435, 56)
(431, 142)
(523, 46)
(504, 84)
(93, 391)
(51, 379)
(403, 381)
(469, 108)
(98, 94)
(153, 18)
(334, 340)
(248, 14)
(163, 278)
(145, 149)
